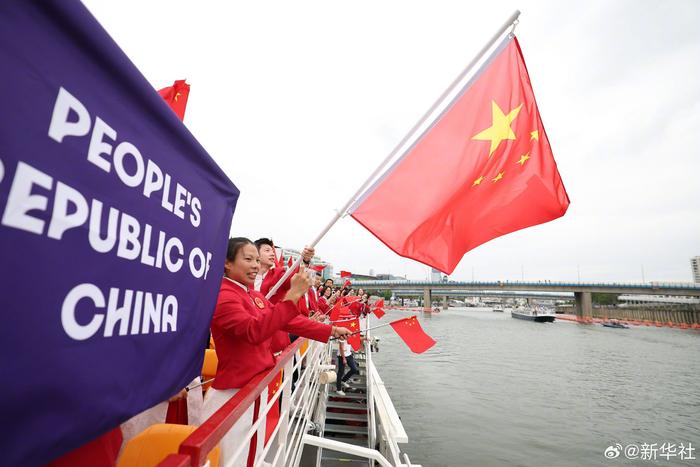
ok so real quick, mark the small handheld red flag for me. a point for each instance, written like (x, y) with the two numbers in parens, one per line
(378, 312)
(318, 267)
(345, 274)
(347, 300)
(411, 332)
(354, 340)
(176, 97)
(279, 262)
(339, 311)
(377, 308)
(347, 283)
(273, 416)
(290, 262)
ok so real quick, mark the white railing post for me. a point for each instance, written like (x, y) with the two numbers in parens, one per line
(347, 448)
(370, 383)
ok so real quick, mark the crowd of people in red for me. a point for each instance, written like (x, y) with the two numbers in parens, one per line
(248, 331)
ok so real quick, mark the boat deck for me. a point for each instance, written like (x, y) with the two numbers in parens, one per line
(346, 420)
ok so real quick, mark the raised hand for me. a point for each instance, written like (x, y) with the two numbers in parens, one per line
(300, 283)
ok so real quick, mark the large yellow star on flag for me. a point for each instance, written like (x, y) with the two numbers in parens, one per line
(500, 127)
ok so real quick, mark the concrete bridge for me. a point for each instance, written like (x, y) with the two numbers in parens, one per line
(581, 290)
(484, 293)
(445, 295)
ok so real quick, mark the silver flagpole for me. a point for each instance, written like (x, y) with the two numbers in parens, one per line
(509, 22)
(195, 386)
(375, 327)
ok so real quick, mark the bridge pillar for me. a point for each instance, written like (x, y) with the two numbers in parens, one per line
(445, 301)
(584, 305)
(427, 299)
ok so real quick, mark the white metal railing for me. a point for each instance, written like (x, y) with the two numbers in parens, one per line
(370, 392)
(294, 412)
(384, 424)
(347, 448)
(285, 442)
(288, 438)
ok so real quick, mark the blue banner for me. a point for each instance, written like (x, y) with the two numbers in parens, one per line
(113, 229)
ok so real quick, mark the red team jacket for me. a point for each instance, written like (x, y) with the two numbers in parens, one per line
(323, 305)
(245, 329)
(273, 275)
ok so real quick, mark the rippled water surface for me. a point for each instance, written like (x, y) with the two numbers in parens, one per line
(501, 391)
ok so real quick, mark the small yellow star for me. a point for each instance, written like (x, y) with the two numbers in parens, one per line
(500, 127)
(498, 177)
(478, 181)
(535, 135)
(523, 159)
(176, 96)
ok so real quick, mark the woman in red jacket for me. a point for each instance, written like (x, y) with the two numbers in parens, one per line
(245, 328)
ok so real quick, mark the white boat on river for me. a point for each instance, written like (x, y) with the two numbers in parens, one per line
(539, 315)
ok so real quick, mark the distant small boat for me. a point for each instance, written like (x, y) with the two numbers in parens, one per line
(615, 324)
(497, 310)
(528, 314)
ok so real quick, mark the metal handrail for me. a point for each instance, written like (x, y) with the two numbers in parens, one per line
(203, 440)
(370, 386)
(297, 408)
(309, 381)
(302, 399)
(347, 448)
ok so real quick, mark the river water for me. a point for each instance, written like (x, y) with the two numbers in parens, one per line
(500, 391)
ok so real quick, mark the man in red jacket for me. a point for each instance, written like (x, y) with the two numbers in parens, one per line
(269, 274)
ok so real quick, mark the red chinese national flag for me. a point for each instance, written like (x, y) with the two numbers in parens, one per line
(279, 262)
(411, 332)
(339, 312)
(176, 97)
(378, 312)
(273, 416)
(482, 170)
(345, 274)
(318, 267)
(377, 308)
(354, 340)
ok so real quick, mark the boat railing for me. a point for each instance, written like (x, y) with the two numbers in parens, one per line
(385, 427)
(284, 445)
(385, 430)
(298, 401)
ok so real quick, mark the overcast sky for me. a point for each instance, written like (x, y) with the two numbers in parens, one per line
(298, 102)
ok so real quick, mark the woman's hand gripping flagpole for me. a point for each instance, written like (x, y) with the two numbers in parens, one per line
(411, 332)
(368, 329)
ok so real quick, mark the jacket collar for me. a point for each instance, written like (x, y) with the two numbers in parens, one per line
(245, 289)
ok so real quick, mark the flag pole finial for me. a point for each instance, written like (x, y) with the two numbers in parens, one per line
(512, 28)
